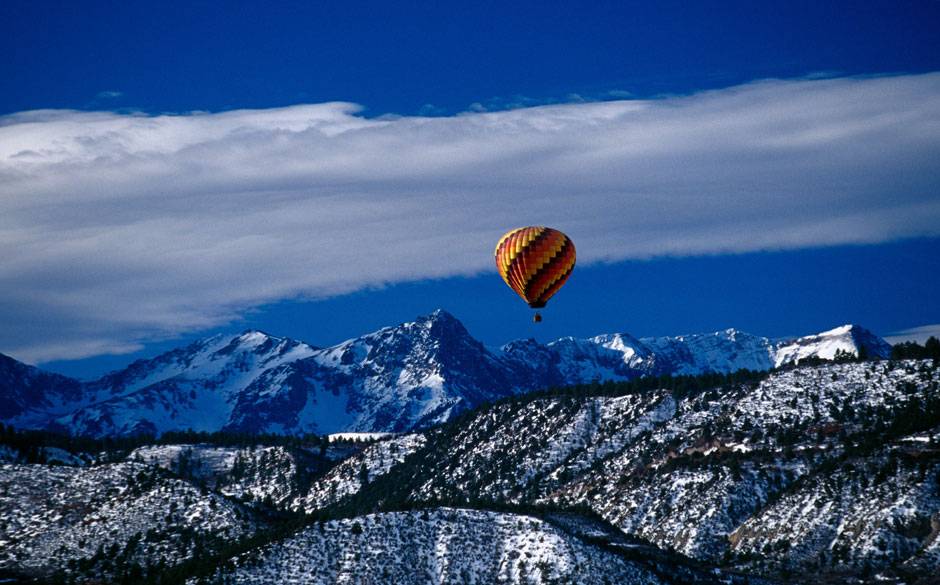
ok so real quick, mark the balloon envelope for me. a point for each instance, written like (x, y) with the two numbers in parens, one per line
(535, 262)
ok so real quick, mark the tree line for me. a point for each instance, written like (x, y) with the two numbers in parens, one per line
(911, 350)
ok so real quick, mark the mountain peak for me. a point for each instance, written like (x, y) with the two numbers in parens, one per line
(255, 332)
(442, 323)
(853, 329)
(840, 330)
(254, 336)
(849, 338)
(438, 315)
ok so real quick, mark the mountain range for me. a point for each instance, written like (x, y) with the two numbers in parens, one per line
(812, 472)
(410, 376)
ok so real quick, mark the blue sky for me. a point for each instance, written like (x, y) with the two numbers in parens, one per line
(143, 205)
(400, 56)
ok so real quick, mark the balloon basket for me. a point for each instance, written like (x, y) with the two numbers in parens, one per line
(537, 318)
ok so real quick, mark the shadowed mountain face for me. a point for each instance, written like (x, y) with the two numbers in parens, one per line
(400, 378)
(30, 395)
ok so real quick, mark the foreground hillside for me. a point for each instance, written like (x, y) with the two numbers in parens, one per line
(831, 469)
(436, 546)
(113, 520)
(216, 514)
(402, 378)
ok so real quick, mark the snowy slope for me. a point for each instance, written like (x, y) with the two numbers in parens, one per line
(806, 456)
(53, 515)
(722, 351)
(195, 387)
(438, 546)
(273, 474)
(867, 511)
(348, 477)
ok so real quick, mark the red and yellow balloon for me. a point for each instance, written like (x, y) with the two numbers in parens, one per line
(535, 262)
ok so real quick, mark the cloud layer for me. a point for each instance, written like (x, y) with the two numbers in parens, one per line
(121, 228)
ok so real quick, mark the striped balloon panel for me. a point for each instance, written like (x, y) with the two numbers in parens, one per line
(535, 262)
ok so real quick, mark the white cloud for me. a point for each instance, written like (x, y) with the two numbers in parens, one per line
(120, 228)
(918, 334)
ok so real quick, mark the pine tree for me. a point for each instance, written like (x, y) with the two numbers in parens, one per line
(932, 348)
(363, 474)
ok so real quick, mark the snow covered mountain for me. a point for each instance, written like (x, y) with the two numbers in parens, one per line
(397, 379)
(194, 387)
(850, 339)
(622, 357)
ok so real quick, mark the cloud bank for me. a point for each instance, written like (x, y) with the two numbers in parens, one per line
(121, 228)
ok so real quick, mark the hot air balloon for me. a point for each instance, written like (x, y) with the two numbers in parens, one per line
(535, 262)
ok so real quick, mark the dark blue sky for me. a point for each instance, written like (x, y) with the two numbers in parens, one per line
(399, 56)
(440, 59)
